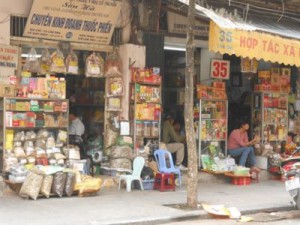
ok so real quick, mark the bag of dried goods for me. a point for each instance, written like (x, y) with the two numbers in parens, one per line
(32, 184)
(58, 184)
(94, 66)
(70, 183)
(46, 186)
(58, 63)
(72, 63)
(32, 62)
(45, 62)
(115, 86)
(113, 64)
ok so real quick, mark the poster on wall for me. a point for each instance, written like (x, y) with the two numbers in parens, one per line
(8, 62)
(88, 21)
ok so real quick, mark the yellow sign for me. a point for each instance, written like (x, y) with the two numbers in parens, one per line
(254, 44)
(89, 21)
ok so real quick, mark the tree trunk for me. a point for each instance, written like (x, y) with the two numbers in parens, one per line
(192, 179)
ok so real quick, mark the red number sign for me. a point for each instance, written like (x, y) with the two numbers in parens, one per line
(220, 69)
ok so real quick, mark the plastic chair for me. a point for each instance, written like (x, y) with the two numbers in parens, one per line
(161, 157)
(138, 164)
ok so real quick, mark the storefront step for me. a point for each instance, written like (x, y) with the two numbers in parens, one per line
(204, 177)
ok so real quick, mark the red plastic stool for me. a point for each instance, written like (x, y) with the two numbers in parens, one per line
(164, 181)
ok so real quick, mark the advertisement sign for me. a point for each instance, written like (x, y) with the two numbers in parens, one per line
(220, 69)
(88, 21)
(8, 60)
(254, 44)
(177, 24)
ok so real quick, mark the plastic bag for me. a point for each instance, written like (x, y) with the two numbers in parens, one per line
(32, 62)
(70, 183)
(88, 184)
(58, 63)
(32, 184)
(72, 63)
(45, 62)
(121, 152)
(94, 66)
(113, 64)
(58, 184)
(46, 186)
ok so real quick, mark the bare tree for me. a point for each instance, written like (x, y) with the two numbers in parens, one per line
(192, 181)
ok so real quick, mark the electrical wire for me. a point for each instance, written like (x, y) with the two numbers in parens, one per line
(282, 11)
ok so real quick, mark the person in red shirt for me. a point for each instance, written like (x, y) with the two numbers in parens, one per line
(240, 146)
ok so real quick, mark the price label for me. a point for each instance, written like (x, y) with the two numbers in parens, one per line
(220, 69)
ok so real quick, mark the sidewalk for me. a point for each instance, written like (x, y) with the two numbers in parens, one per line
(111, 206)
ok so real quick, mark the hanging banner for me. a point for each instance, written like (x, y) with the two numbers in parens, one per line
(88, 21)
(254, 44)
(8, 60)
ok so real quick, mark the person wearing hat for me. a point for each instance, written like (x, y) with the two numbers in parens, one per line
(173, 141)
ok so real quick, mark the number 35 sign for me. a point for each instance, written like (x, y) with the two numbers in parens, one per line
(220, 69)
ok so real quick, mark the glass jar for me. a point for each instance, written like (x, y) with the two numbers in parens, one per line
(139, 128)
(155, 129)
(147, 128)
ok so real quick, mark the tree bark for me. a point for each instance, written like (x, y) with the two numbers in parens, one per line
(192, 179)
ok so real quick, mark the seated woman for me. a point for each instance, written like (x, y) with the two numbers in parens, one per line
(240, 146)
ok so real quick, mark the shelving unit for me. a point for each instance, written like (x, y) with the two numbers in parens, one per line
(87, 98)
(24, 114)
(212, 126)
(145, 113)
(270, 116)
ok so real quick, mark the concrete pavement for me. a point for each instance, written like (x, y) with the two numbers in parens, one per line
(111, 206)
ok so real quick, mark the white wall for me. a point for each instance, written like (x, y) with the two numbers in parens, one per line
(206, 57)
(8, 8)
(15, 7)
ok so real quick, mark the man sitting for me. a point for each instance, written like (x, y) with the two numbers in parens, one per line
(173, 141)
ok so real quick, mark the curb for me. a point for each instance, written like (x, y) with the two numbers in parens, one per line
(196, 215)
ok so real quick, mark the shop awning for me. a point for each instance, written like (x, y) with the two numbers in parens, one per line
(254, 44)
(260, 37)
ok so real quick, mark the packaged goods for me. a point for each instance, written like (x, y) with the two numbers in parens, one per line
(32, 64)
(88, 184)
(115, 86)
(32, 184)
(94, 66)
(70, 183)
(122, 163)
(113, 64)
(46, 186)
(45, 62)
(72, 63)
(58, 63)
(58, 184)
(121, 152)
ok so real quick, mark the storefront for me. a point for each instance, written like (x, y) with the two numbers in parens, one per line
(262, 88)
